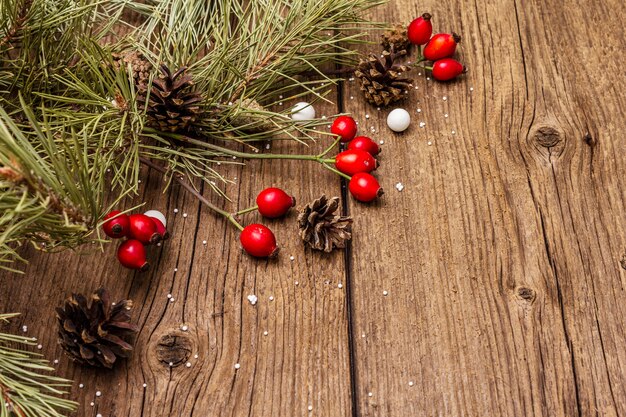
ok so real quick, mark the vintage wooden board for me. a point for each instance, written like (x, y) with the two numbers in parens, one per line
(500, 258)
(501, 255)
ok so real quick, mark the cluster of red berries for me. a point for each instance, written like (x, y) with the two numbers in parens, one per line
(439, 48)
(358, 160)
(140, 230)
(258, 240)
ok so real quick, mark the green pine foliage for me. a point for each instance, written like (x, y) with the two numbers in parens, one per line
(27, 389)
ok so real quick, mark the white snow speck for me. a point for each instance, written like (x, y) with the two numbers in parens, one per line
(253, 299)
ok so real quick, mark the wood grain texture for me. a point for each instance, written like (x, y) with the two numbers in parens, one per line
(501, 255)
(500, 258)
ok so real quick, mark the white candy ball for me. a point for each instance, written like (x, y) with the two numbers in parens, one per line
(302, 112)
(398, 120)
(157, 215)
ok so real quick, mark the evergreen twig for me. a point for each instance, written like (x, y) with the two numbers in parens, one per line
(27, 389)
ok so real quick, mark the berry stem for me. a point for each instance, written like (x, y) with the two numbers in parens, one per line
(336, 171)
(428, 68)
(243, 155)
(244, 211)
(330, 148)
(187, 186)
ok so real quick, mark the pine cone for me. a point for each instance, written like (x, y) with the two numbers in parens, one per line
(321, 228)
(249, 121)
(97, 333)
(141, 67)
(396, 37)
(173, 105)
(381, 79)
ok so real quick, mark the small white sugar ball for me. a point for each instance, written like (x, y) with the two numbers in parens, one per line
(303, 111)
(398, 120)
(157, 215)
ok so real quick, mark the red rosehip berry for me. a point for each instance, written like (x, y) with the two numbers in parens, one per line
(440, 46)
(420, 29)
(160, 222)
(364, 187)
(259, 241)
(363, 143)
(353, 161)
(143, 229)
(117, 227)
(447, 69)
(345, 127)
(274, 202)
(132, 255)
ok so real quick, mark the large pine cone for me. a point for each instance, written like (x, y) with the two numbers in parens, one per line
(95, 333)
(321, 228)
(173, 105)
(381, 78)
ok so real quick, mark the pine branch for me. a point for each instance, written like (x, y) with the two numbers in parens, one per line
(26, 387)
(52, 188)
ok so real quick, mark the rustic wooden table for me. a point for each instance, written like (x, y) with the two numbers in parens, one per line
(500, 258)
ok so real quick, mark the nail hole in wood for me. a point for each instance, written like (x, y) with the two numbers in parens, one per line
(589, 140)
(174, 349)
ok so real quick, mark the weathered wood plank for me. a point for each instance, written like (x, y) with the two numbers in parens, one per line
(501, 255)
(302, 361)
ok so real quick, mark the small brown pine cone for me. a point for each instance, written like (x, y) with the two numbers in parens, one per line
(140, 66)
(321, 227)
(381, 78)
(396, 37)
(250, 119)
(95, 333)
(172, 104)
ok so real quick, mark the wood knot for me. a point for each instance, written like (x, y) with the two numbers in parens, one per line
(174, 349)
(623, 261)
(526, 294)
(547, 136)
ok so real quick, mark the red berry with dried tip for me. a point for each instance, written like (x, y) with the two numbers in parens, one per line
(447, 69)
(132, 255)
(160, 222)
(143, 229)
(363, 143)
(353, 161)
(259, 241)
(274, 202)
(364, 187)
(345, 127)
(117, 227)
(442, 45)
(420, 30)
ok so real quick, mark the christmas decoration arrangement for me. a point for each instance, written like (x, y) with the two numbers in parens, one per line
(93, 92)
(382, 77)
